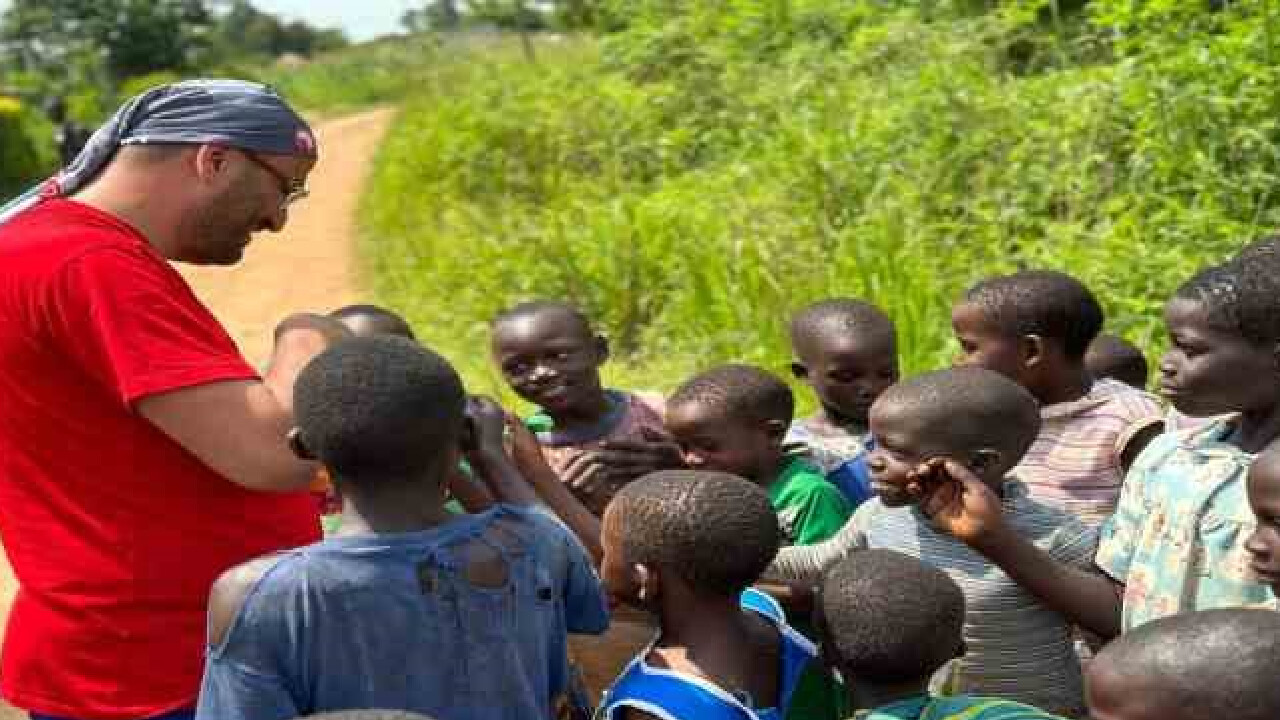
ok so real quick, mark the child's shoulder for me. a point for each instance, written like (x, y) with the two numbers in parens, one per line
(801, 476)
(233, 589)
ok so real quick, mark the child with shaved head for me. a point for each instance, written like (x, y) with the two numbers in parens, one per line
(888, 622)
(686, 546)
(847, 351)
(1210, 665)
(977, 422)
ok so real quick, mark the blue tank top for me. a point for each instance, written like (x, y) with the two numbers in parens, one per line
(677, 696)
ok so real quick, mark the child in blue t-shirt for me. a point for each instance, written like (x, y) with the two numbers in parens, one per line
(846, 350)
(686, 545)
(408, 606)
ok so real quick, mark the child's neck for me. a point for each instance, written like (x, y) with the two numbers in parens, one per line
(868, 696)
(397, 508)
(1074, 384)
(837, 419)
(708, 636)
(770, 473)
(1256, 430)
(586, 415)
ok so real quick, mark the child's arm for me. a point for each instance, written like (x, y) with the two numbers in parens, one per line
(484, 450)
(528, 458)
(806, 563)
(960, 504)
(236, 685)
(469, 491)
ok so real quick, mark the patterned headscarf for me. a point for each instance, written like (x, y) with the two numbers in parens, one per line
(236, 113)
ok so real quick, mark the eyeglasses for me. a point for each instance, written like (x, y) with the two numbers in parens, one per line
(291, 189)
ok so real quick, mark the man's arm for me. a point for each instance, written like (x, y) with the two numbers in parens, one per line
(239, 428)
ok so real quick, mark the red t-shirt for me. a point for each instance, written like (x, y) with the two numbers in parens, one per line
(115, 532)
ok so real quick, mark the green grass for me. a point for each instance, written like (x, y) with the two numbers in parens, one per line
(694, 179)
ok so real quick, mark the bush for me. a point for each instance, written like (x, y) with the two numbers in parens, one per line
(26, 146)
(695, 177)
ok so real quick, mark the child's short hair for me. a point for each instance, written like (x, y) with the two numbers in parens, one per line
(1210, 665)
(1047, 303)
(738, 391)
(888, 618)
(368, 715)
(1241, 297)
(539, 307)
(1114, 357)
(379, 409)
(716, 531)
(967, 408)
(841, 315)
(380, 319)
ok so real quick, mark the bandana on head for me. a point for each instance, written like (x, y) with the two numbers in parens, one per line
(235, 113)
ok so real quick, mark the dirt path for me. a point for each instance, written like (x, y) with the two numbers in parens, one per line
(309, 266)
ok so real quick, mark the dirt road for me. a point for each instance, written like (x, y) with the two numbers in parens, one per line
(309, 266)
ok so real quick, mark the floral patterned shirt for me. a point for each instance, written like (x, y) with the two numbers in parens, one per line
(1177, 538)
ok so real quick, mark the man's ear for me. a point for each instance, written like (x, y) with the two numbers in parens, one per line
(799, 371)
(984, 461)
(211, 161)
(298, 445)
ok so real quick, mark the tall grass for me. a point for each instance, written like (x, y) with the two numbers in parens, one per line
(695, 178)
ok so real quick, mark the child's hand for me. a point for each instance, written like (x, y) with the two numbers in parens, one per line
(331, 329)
(626, 460)
(956, 501)
(486, 423)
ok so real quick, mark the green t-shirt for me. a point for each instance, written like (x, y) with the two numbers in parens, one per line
(954, 707)
(810, 509)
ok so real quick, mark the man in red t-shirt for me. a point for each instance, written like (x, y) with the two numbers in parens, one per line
(140, 455)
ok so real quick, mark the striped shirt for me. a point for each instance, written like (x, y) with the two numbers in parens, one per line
(1074, 463)
(1017, 647)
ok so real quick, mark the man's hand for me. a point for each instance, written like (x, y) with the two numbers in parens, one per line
(957, 502)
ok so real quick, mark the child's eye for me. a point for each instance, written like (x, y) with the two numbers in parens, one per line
(516, 368)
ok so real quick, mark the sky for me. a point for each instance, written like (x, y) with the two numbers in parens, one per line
(361, 19)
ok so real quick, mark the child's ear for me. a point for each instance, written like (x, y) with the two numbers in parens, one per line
(648, 584)
(298, 446)
(799, 371)
(602, 348)
(983, 461)
(1032, 350)
(777, 430)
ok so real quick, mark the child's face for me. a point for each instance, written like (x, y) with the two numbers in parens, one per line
(897, 451)
(711, 441)
(1263, 487)
(550, 360)
(848, 373)
(982, 344)
(901, 444)
(1202, 372)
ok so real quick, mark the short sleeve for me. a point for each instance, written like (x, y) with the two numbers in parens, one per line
(232, 692)
(131, 322)
(821, 512)
(1140, 412)
(1076, 544)
(1118, 541)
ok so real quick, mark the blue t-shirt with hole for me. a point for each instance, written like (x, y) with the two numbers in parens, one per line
(393, 621)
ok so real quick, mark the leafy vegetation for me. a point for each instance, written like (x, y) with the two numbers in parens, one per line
(699, 173)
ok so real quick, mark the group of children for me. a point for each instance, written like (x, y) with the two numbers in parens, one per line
(1028, 534)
